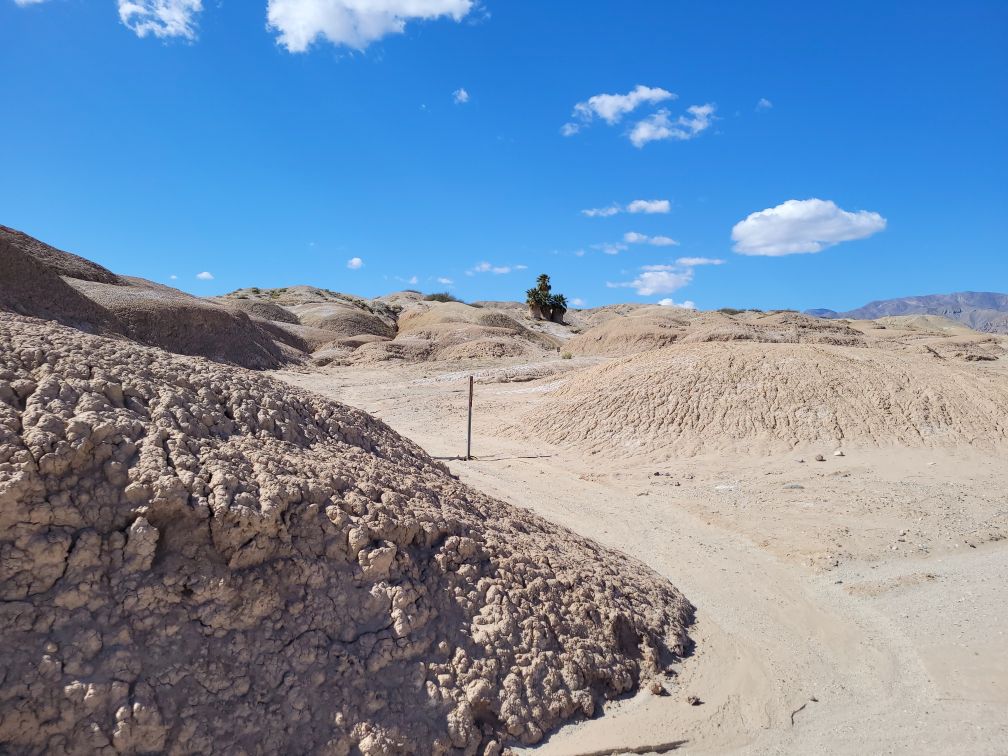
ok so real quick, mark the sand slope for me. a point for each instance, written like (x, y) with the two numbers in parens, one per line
(704, 397)
(198, 559)
(631, 331)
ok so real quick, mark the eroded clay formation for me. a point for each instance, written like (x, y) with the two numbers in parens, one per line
(693, 398)
(194, 558)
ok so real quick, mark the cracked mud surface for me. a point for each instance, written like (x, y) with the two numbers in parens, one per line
(196, 558)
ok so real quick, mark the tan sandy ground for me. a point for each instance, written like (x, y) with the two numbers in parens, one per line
(854, 605)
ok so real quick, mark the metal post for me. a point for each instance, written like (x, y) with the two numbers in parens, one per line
(469, 436)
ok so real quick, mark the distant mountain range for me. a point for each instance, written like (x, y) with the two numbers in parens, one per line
(980, 310)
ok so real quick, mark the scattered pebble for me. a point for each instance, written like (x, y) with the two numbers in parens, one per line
(838, 453)
(794, 486)
(693, 701)
(820, 458)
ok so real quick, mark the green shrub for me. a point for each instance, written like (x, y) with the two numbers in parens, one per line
(441, 296)
(566, 356)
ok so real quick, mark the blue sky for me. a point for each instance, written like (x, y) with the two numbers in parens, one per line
(272, 142)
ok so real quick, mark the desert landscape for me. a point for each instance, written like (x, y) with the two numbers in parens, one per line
(246, 524)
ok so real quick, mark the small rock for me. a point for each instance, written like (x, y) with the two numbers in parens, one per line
(657, 688)
(793, 486)
(677, 483)
(820, 458)
(838, 453)
(693, 701)
(800, 461)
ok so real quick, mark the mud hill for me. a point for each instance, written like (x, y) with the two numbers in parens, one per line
(694, 398)
(180, 539)
(631, 331)
(42, 281)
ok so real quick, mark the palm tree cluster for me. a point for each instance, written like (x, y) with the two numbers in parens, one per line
(543, 304)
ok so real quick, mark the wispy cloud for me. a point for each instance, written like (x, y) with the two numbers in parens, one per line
(610, 248)
(352, 23)
(764, 104)
(692, 262)
(655, 279)
(355, 263)
(685, 305)
(632, 237)
(602, 212)
(460, 96)
(661, 126)
(161, 18)
(205, 276)
(656, 206)
(497, 270)
(445, 281)
(649, 206)
(802, 226)
(612, 107)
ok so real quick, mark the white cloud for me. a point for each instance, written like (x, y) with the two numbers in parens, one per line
(23, 3)
(798, 226)
(355, 263)
(656, 279)
(660, 126)
(692, 262)
(162, 18)
(497, 270)
(632, 237)
(354, 23)
(173, 277)
(601, 212)
(612, 107)
(764, 104)
(609, 248)
(205, 276)
(578, 302)
(637, 206)
(685, 305)
(445, 281)
(649, 206)
(460, 96)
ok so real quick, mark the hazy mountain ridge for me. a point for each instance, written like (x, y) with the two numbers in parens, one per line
(980, 310)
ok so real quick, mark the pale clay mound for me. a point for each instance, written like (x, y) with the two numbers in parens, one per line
(178, 322)
(343, 320)
(627, 332)
(694, 398)
(428, 331)
(194, 558)
(44, 282)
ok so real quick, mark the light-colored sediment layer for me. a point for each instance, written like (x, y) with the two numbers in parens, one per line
(848, 606)
(761, 397)
(196, 558)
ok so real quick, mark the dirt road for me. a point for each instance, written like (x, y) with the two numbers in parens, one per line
(855, 605)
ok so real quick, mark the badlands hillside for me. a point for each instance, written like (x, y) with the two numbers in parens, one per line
(721, 531)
